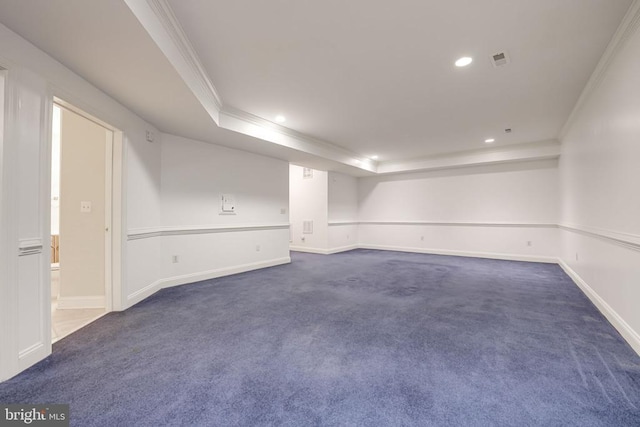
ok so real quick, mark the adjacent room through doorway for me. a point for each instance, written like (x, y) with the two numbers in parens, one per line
(80, 220)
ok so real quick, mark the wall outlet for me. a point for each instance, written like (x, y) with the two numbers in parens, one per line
(257, 248)
(576, 256)
(85, 207)
(422, 238)
(175, 259)
(283, 211)
(528, 242)
(302, 238)
(347, 237)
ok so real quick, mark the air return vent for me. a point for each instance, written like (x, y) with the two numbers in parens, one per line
(307, 227)
(500, 59)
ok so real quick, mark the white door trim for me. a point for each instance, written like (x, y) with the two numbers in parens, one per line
(113, 205)
(108, 243)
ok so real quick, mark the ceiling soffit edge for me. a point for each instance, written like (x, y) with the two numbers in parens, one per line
(540, 150)
(297, 140)
(161, 24)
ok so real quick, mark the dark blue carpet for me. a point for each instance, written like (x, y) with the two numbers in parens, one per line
(360, 338)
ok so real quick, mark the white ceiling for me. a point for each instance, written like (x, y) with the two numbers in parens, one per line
(372, 77)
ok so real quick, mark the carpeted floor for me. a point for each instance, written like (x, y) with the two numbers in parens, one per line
(359, 338)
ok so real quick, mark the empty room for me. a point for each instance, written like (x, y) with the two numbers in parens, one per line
(320, 212)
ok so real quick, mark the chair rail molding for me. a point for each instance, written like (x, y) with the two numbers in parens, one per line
(150, 232)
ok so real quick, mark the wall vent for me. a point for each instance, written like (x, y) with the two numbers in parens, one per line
(500, 59)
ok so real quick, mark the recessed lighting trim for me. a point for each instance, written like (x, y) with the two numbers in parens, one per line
(280, 118)
(374, 157)
(489, 140)
(464, 61)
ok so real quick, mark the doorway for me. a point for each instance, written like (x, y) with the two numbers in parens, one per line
(81, 202)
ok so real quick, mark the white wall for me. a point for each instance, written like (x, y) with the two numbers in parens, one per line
(308, 202)
(206, 242)
(343, 212)
(600, 176)
(491, 211)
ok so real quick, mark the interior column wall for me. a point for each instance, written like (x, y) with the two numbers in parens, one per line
(308, 201)
(343, 212)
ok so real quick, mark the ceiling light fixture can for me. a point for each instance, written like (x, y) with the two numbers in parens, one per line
(281, 119)
(464, 61)
(489, 140)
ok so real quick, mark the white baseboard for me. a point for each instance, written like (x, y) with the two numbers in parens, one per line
(309, 250)
(142, 294)
(168, 282)
(323, 251)
(31, 356)
(81, 302)
(491, 255)
(342, 249)
(220, 272)
(631, 336)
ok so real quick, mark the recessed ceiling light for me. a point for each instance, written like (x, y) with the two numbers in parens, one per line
(281, 119)
(464, 61)
(489, 140)
(374, 157)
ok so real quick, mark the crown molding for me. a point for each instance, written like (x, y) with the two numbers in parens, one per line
(627, 28)
(158, 19)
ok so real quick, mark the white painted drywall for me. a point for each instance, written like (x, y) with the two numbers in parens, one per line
(194, 176)
(487, 210)
(82, 234)
(343, 211)
(600, 176)
(308, 201)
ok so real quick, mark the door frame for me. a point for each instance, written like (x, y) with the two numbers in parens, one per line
(113, 203)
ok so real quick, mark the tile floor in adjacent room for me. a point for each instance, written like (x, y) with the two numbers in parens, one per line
(66, 321)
